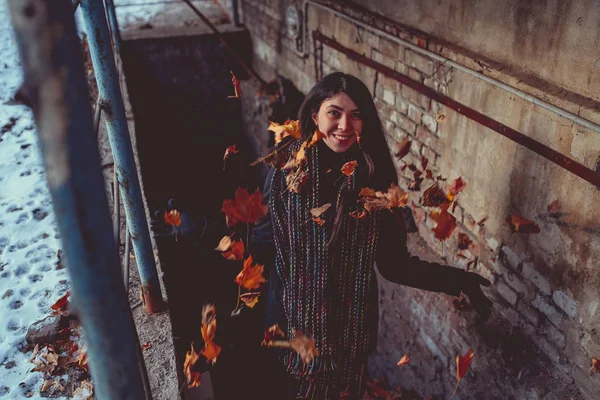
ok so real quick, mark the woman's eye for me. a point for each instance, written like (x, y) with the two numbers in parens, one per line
(333, 113)
(356, 116)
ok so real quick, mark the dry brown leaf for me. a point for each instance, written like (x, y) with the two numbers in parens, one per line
(245, 208)
(82, 360)
(462, 366)
(236, 87)
(403, 148)
(348, 168)
(319, 221)
(522, 225)
(301, 154)
(318, 135)
(291, 162)
(424, 163)
(230, 150)
(193, 378)
(224, 244)
(446, 223)
(434, 196)
(595, 366)
(211, 350)
(85, 391)
(358, 214)
(288, 128)
(251, 276)
(296, 180)
(318, 211)
(404, 360)
(396, 197)
(456, 187)
(304, 346)
(440, 118)
(463, 241)
(250, 298)
(47, 383)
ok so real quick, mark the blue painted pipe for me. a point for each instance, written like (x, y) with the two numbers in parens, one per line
(103, 60)
(55, 79)
(114, 24)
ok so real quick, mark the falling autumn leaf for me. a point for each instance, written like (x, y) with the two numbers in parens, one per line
(173, 218)
(236, 87)
(230, 150)
(274, 332)
(211, 350)
(304, 346)
(146, 346)
(463, 241)
(404, 360)
(250, 298)
(456, 187)
(296, 180)
(318, 135)
(288, 128)
(236, 252)
(462, 365)
(396, 197)
(367, 192)
(348, 168)
(224, 244)
(318, 211)
(193, 378)
(301, 154)
(291, 162)
(522, 225)
(554, 207)
(434, 196)
(403, 148)
(251, 276)
(392, 198)
(61, 304)
(440, 118)
(595, 366)
(358, 214)
(245, 208)
(429, 174)
(445, 223)
(424, 162)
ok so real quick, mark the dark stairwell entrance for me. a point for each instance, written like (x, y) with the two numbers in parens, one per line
(179, 88)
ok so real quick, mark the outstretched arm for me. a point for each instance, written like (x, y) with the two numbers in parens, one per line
(397, 265)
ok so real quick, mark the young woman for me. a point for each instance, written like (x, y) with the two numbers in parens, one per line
(323, 281)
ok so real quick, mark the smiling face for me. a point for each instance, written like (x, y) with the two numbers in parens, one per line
(340, 120)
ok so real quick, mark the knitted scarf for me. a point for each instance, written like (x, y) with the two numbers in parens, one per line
(329, 293)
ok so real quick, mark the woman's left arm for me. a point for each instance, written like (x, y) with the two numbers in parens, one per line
(397, 265)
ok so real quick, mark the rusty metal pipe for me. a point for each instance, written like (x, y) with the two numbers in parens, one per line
(55, 79)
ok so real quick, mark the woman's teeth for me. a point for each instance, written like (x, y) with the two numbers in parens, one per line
(340, 137)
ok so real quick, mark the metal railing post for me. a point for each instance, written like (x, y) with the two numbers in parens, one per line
(114, 24)
(55, 79)
(103, 60)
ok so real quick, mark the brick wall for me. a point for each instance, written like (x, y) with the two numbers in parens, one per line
(545, 327)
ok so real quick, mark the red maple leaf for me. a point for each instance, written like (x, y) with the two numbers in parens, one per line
(245, 208)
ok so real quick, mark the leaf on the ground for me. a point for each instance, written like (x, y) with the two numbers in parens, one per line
(46, 385)
(554, 207)
(348, 168)
(211, 350)
(296, 180)
(250, 298)
(85, 391)
(463, 241)
(404, 360)
(288, 128)
(82, 360)
(434, 196)
(318, 211)
(146, 346)
(445, 223)
(245, 208)
(304, 346)
(236, 87)
(522, 225)
(193, 378)
(595, 366)
(456, 187)
(250, 277)
(173, 218)
(61, 304)
(230, 150)
(403, 148)
(462, 366)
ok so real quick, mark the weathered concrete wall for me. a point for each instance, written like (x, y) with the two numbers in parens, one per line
(545, 326)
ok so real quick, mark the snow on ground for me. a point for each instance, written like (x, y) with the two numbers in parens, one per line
(31, 280)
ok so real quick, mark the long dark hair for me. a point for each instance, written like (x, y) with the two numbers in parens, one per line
(382, 172)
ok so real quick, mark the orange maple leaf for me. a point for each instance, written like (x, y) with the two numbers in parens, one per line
(595, 366)
(250, 276)
(245, 208)
(348, 168)
(236, 253)
(61, 304)
(236, 87)
(193, 378)
(288, 128)
(172, 218)
(250, 298)
(318, 135)
(211, 350)
(462, 365)
(445, 223)
(522, 225)
(230, 150)
(404, 360)
(396, 197)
